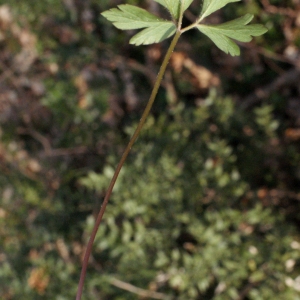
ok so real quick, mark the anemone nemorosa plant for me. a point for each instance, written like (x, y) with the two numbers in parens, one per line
(155, 30)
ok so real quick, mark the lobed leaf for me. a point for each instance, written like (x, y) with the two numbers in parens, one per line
(173, 6)
(237, 29)
(210, 6)
(154, 34)
(186, 4)
(128, 17)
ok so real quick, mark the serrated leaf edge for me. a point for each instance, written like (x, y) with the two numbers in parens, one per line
(232, 48)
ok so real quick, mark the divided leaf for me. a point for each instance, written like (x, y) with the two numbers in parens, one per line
(210, 6)
(186, 4)
(237, 29)
(129, 17)
(154, 34)
(173, 6)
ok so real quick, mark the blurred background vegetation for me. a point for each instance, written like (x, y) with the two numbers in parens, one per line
(208, 203)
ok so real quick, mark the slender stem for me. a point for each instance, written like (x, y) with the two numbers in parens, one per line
(123, 158)
(180, 15)
(197, 22)
(189, 27)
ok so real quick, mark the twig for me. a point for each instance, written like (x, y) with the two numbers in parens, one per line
(290, 77)
(136, 290)
(37, 136)
(64, 151)
(271, 55)
(278, 10)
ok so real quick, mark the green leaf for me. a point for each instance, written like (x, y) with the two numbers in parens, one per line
(237, 29)
(129, 17)
(154, 34)
(210, 6)
(173, 6)
(186, 4)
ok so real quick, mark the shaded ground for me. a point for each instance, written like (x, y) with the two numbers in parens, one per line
(71, 89)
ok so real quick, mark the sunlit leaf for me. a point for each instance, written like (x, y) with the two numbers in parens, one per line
(128, 17)
(173, 6)
(237, 29)
(154, 34)
(186, 4)
(210, 6)
(131, 17)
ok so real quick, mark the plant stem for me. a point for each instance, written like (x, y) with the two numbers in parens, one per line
(189, 27)
(180, 15)
(122, 160)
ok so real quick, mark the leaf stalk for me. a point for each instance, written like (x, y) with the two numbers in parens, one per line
(122, 161)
